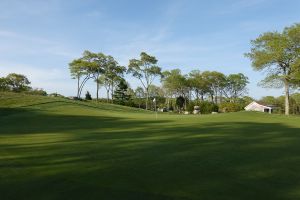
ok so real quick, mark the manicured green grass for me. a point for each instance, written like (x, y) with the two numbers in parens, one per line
(52, 148)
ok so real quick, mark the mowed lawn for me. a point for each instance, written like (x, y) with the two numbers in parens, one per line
(51, 148)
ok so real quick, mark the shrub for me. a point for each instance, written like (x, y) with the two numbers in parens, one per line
(208, 107)
(131, 103)
(230, 107)
(190, 106)
(88, 96)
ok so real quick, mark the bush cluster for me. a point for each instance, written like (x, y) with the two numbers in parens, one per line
(230, 107)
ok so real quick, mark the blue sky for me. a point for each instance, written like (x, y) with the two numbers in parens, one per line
(39, 38)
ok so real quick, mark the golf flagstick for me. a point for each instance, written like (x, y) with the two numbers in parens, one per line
(155, 110)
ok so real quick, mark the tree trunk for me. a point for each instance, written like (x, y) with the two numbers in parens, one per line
(147, 97)
(216, 97)
(168, 103)
(112, 92)
(287, 97)
(78, 83)
(107, 94)
(97, 91)
(82, 84)
(197, 95)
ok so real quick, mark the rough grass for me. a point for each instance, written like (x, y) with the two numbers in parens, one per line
(53, 148)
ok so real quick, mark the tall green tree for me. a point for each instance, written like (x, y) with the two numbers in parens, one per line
(215, 82)
(97, 65)
(199, 84)
(278, 54)
(155, 91)
(146, 70)
(236, 86)
(113, 72)
(106, 83)
(76, 68)
(83, 69)
(139, 94)
(177, 83)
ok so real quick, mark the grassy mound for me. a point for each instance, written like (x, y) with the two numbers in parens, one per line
(53, 148)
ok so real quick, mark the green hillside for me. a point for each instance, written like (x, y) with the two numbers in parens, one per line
(55, 148)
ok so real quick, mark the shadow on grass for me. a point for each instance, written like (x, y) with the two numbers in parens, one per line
(85, 157)
(30, 121)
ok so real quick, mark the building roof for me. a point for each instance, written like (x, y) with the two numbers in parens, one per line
(254, 104)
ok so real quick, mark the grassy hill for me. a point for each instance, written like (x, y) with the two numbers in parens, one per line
(54, 148)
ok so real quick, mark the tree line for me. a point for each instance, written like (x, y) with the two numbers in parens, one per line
(105, 71)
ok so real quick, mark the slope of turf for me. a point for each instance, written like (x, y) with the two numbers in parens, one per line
(53, 148)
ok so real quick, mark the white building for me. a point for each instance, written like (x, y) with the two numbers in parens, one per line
(254, 106)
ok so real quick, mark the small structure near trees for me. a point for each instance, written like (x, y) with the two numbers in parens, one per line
(196, 110)
(254, 106)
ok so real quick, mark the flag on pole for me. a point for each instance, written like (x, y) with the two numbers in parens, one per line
(154, 101)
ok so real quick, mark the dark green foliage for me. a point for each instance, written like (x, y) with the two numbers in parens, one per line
(88, 96)
(180, 102)
(208, 107)
(120, 96)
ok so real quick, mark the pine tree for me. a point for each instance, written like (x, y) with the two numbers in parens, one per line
(120, 95)
(88, 96)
